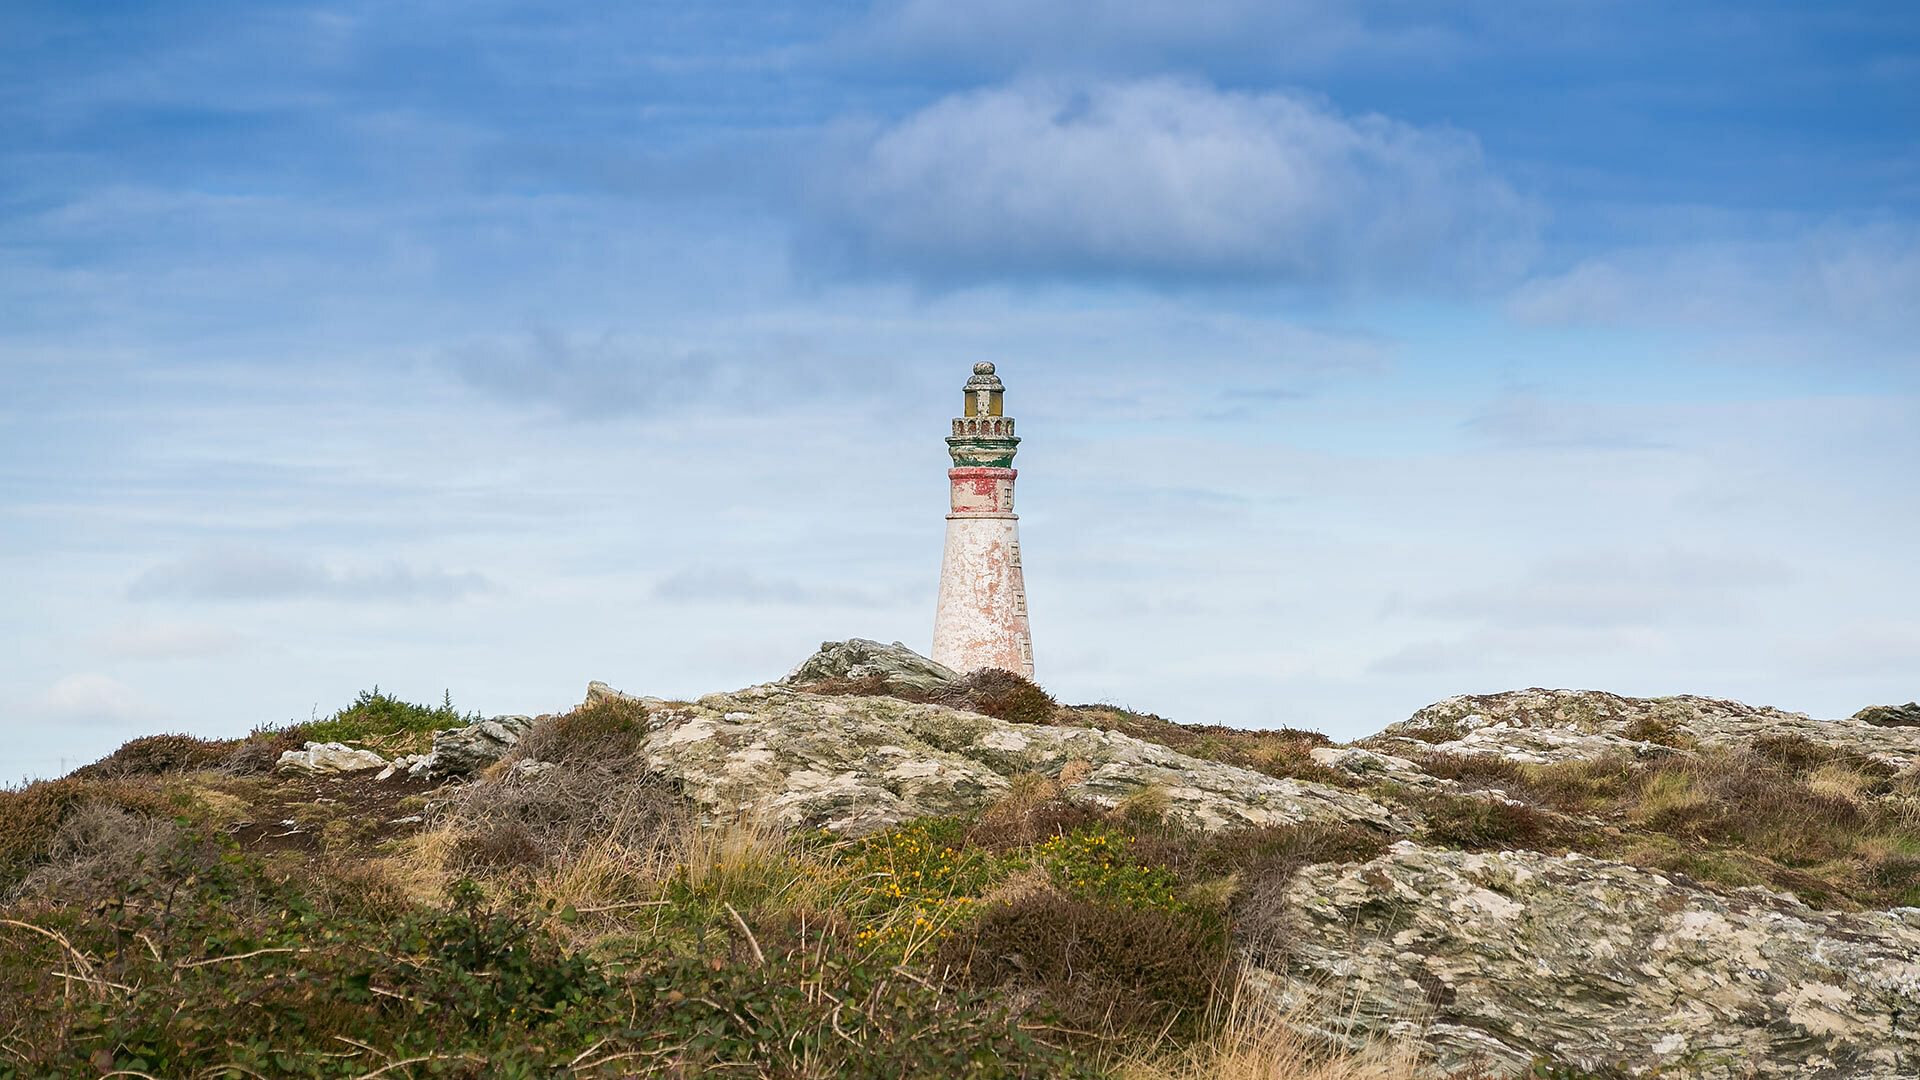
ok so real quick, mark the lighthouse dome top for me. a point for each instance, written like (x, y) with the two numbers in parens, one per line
(984, 378)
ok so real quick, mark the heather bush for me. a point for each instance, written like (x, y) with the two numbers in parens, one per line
(1002, 695)
(1103, 968)
(607, 730)
(156, 755)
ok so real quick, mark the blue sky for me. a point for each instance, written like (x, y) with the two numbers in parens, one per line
(1365, 353)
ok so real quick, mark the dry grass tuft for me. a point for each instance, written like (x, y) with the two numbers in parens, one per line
(1255, 1041)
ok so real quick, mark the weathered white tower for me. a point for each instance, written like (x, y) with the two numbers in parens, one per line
(982, 619)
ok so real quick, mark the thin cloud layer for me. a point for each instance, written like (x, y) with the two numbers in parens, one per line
(1162, 179)
(93, 698)
(1864, 279)
(239, 575)
(736, 585)
(1144, 35)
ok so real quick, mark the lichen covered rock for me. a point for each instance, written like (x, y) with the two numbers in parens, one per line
(467, 749)
(859, 764)
(858, 658)
(1545, 726)
(327, 759)
(1499, 959)
(1907, 715)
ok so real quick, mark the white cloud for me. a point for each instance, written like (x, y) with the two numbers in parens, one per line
(1165, 179)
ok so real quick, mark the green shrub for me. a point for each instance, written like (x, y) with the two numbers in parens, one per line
(914, 883)
(378, 719)
(1098, 864)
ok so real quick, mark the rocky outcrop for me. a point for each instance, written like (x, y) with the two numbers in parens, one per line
(1368, 765)
(327, 759)
(858, 764)
(464, 750)
(1498, 959)
(858, 658)
(1544, 726)
(1907, 715)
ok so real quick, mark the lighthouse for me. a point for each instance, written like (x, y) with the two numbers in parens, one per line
(982, 618)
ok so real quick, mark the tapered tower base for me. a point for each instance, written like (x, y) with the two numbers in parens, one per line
(982, 618)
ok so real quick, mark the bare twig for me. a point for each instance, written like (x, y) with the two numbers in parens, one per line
(586, 1053)
(617, 907)
(915, 978)
(184, 964)
(385, 1069)
(91, 982)
(394, 994)
(661, 1052)
(369, 1049)
(758, 956)
(217, 1070)
(834, 1019)
(86, 966)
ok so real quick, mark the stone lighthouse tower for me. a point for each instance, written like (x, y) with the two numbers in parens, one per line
(982, 619)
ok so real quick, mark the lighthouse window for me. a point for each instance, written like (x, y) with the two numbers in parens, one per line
(996, 403)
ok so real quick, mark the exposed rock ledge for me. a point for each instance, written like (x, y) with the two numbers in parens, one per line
(859, 764)
(1501, 957)
(1543, 726)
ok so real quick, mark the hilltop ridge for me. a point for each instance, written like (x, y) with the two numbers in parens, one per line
(1539, 882)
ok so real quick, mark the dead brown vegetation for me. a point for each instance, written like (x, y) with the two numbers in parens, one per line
(1104, 968)
(1832, 827)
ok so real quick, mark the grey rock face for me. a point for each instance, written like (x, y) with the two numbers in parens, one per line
(858, 658)
(1367, 765)
(1497, 958)
(1545, 726)
(1907, 715)
(463, 750)
(859, 764)
(327, 759)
